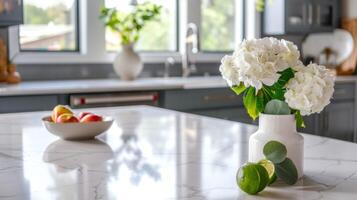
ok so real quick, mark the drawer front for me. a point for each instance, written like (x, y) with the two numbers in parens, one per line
(27, 103)
(338, 121)
(233, 114)
(196, 99)
(344, 91)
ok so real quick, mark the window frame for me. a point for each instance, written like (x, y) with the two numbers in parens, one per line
(91, 39)
(239, 21)
(77, 35)
(177, 35)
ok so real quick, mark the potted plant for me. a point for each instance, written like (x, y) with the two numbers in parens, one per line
(128, 25)
(278, 89)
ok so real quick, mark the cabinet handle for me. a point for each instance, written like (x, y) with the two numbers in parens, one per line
(89, 100)
(310, 10)
(318, 15)
(304, 14)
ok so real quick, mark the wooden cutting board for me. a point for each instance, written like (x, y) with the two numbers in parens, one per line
(348, 67)
(3, 61)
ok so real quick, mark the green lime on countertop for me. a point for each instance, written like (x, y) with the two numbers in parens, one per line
(269, 166)
(252, 178)
(273, 179)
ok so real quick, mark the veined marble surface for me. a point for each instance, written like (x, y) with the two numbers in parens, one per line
(151, 153)
(116, 85)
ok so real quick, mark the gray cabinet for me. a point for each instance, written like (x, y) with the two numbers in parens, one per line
(11, 13)
(326, 14)
(238, 114)
(217, 102)
(337, 121)
(199, 99)
(311, 123)
(28, 103)
(300, 16)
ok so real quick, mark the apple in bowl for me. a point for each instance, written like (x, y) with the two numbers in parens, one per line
(66, 125)
(83, 114)
(66, 118)
(91, 118)
(59, 110)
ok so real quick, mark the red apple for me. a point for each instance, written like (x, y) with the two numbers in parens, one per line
(92, 118)
(59, 110)
(67, 118)
(83, 114)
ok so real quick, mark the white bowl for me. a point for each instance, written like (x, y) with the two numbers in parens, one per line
(77, 131)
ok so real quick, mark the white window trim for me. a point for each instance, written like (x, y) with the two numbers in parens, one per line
(92, 38)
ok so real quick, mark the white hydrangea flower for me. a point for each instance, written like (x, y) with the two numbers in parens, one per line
(310, 90)
(256, 62)
(228, 71)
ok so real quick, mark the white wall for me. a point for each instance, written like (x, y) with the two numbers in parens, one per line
(349, 9)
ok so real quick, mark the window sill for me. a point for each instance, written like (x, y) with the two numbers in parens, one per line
(77, 57)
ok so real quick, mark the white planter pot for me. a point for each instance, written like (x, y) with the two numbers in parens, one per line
(127, 63)
(281, 128)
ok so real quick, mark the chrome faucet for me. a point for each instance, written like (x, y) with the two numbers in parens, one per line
(170, 62)
(191, 48)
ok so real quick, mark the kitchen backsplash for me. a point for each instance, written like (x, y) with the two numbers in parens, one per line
(33, 72)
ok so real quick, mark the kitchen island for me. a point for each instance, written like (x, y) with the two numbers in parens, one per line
(153, 153)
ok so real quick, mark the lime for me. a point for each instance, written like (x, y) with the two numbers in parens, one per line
(252, 178)
(273, 179)
(269, 166)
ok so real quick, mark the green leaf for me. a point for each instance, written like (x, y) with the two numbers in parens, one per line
(285, 76)
(238, 89)
(277, 107)
(250, 103)
(299, 120)
(275, 151)
(277, 90)
(129, 24)
(259, 5)
(287, 171)
(261, 102)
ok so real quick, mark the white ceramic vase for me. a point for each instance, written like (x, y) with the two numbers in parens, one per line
(281, 128)
(127, 63)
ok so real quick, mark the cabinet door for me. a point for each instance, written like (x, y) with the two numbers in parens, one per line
(199, 99)
(11, 12)
(325, 15)
(311, 125)
(27, 103)
(233, 114)
(298, 16)
(338, 121)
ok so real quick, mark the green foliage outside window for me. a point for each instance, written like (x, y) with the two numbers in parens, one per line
(129, 25)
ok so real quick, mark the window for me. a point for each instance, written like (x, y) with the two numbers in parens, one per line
(53, 26)
(159, 35)
(221, 27)
(49, 25)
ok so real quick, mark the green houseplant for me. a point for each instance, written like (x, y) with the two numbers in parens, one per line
(128, 25)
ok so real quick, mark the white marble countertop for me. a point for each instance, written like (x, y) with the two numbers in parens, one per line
(113, 85)
(152, 153)
(110, 85)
